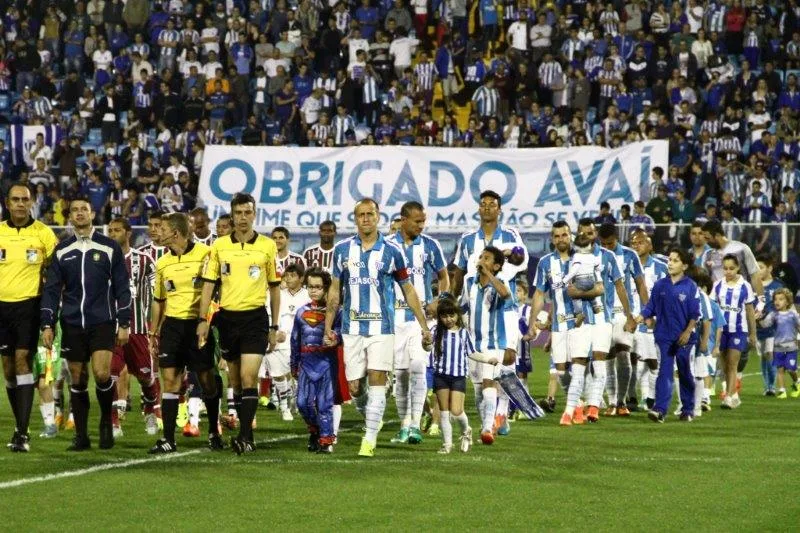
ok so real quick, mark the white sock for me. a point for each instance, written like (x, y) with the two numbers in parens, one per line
(284, 391)
(447, 428)
(707, 394)
(463, 421)
(578, 372)
(48, 410)
(401, 396)
(231, 409)
(337, 418)
(194, 411)
(376, 405)
(623, 368)
(502, 402)
(588, 384)
(652, 377)
(479, 399)
(489, 408)
(698, 396)
(642, 373)
(419, 391)
(611, 381)
(599, 368)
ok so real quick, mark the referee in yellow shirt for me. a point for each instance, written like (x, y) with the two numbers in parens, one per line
(174, 316)
(244, 262)
(26, 247)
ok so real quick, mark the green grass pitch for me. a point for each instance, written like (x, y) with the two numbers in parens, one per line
(725, 470)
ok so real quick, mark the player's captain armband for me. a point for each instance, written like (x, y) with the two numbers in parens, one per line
(401, 275)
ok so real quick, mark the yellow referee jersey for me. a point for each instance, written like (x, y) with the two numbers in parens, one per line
(245, 269)
(24, 254)
(179, 281)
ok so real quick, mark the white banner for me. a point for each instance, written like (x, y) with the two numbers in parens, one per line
(301, 187)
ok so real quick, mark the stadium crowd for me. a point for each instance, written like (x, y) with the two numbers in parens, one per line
(135, 90)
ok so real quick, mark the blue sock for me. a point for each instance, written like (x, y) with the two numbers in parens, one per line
(772, 371)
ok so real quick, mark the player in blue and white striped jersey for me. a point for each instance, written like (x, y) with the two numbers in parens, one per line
(494, 324)
(365, 268)
(736, 299)
(424, 260)
(567, 342)
(618, 364)
(644, 345)
(602, 330)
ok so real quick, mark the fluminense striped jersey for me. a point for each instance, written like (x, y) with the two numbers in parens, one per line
(493, 321)
(367, 279)
(653, 269)
(451, 358)
(733, 300)
(424, 259)
(316, 256)
(208, 240)
(631, 268)
(472, 243)
(291, 258)
(154, 251)
(550, 273)
(610, 273)
(142, 271)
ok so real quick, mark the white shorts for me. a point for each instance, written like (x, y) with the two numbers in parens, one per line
(645, 346)
(765, 345)
(600, 337)
(278, 362)
(263, 370)
(571, 344)
(374, 352)
(618, 333)
(482, 371)
(408, 345)
(700, 366)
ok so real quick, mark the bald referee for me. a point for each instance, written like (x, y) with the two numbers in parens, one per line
(26, 247)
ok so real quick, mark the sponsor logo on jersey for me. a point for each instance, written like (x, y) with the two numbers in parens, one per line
(358, 315)
(363, 280)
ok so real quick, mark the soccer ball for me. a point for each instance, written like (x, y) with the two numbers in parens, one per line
(583, 282)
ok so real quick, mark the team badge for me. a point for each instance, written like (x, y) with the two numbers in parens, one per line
(96, 256)
(682, 297)
(736, 341)
(254, 272)
(31, 255)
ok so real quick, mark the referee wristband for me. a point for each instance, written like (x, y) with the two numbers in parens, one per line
(273, 328)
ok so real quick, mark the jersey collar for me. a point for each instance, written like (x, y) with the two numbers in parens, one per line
(28, 224)
(399, 238)
(378, 242)
(251, 241)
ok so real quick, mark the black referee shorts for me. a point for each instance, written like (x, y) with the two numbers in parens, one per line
(19, 326)
(443, 381)
(178, 346)
(242, 332)
(78, 344)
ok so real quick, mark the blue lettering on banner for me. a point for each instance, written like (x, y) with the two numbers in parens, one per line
(489, 166)
(404, 180)
(282, 185)
(584, 186)
(306, 184)
(377, 190)
(231, 164)
(434, 200)
(616, 185)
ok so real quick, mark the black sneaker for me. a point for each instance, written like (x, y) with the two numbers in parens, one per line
(686, 418)
(272, 407)
(240, 445)
(632, 404)
(21, 443)
(650, 402)
(655, 416)
(549, 405)
(106, 436)
(769, 392)
(79, 444)
(325, 449)
(13, 440)
(313, 442)
(163, 446)
(215, 442)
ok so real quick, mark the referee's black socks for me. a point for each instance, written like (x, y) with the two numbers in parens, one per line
(105, 397)
(247, 411)
(11, 391)
(79, 399)
(169, 414)
(24, 401)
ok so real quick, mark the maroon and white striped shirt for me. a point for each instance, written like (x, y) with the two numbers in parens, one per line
(142, 273)
(315, 256)
(154, 251)
(292, 258)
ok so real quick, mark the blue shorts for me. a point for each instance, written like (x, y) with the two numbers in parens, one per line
(429, 377)
(733, 341)
(524, 363)
(785, 360)
(453, 383)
